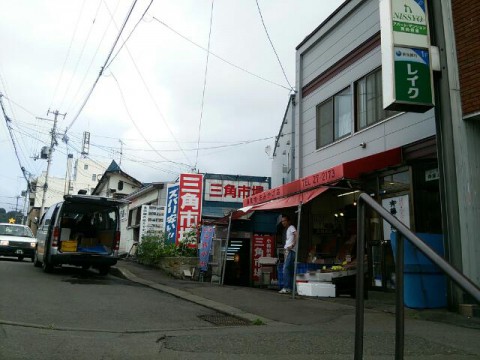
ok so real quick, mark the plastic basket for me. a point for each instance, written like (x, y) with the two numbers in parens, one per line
(68, 246)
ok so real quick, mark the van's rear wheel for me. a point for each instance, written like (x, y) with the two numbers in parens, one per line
(103, 270)
(36, 263)
(46, 266)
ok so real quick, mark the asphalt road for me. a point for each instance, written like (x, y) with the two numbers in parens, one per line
(78, 314)
(75, 314)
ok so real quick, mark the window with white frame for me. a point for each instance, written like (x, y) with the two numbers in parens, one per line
(334, 118)
(369, 100)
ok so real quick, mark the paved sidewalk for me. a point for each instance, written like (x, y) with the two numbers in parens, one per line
(271, 307)
(321, 323)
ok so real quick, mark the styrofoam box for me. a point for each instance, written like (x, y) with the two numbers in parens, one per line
(320, 289)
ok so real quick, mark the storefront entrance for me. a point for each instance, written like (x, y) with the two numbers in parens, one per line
(237, 268)
(412, 195)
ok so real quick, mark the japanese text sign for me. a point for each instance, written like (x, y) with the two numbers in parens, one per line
(412, 75)
(190, 203)
(232, 191)
(262, 246)
(406, 60)
(171, 213)
(152, 220)
(409, 22)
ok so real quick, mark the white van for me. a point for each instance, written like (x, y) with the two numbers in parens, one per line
(82, 231)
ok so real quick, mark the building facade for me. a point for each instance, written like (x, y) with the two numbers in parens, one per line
(345, 142)
(136, 215)
(116, 183)
(86, 175)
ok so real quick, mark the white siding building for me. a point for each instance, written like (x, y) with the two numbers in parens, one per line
(86, 175)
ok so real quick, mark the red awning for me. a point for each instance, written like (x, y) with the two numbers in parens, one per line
(349, 170)
(289, 201)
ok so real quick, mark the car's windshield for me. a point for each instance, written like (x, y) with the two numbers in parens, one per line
(12, 230)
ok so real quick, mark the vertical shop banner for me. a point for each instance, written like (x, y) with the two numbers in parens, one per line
(171, 213)
(190, 203)
(262, 246)
(206, 236)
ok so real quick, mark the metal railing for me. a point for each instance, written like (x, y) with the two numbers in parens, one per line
(402, 232)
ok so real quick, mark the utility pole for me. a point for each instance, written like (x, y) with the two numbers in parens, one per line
(24, 216)
(49, 158)
(121, 152)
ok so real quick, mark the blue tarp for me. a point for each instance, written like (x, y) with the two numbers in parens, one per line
(99, 249)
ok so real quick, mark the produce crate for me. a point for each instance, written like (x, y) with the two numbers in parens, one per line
(316, 289)
(68, 246)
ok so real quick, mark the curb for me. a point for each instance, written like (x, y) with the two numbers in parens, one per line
(222, 308)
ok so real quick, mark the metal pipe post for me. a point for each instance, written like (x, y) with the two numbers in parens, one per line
(294, 287)
(360, 288)
(399, 310)
(224, 262)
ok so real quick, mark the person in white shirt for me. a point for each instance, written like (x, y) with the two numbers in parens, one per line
(289, 258)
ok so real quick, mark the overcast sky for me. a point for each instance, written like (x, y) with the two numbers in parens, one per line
(148, 101)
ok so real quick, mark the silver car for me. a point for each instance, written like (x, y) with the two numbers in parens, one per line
(17, 241)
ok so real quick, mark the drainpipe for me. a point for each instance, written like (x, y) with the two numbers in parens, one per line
(292, 153)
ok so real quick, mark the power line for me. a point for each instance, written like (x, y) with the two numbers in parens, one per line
(20, 106)
(240, 143)
(220, 58)
(128, 37)
(152, 97)
(79, 58)
(159, 141)
(226, 144)
(8, 121)
(94, 55)
(273, 47)
(135, 159)
(19, 146)
(138, 129)
(103, 67)
(204, 84)
(68, 54)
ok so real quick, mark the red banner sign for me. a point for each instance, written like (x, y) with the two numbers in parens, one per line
(190, 203)
(263, 246)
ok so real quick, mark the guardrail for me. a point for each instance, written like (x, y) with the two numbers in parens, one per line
(403, 232)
